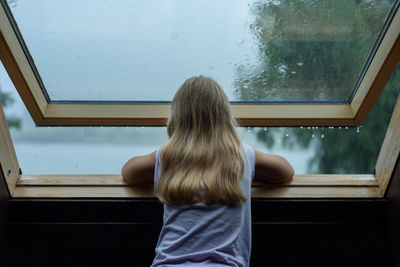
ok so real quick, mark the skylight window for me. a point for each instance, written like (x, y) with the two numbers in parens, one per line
(280, 62)
(314, 64)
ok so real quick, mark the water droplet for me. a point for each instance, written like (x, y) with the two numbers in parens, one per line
(174, 35)
(277, 3)
(301, 127)
(265, 129)
(340, 127)
(308, 128)
(358, 129)
(287, 135)
(238, 43)
(293, 72)
(346, 127)
(82, 130)
(300, 64)
(316, 127)
(313, 135)
(322, 136)
(282, 69)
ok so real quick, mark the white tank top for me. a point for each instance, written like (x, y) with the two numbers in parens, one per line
(207, 235)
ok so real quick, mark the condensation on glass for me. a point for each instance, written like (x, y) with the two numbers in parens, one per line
(259, 51)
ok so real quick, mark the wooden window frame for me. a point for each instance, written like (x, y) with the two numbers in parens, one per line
(22, 73)
(113, 186)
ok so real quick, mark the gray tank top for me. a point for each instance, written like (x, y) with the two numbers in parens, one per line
(207, 235)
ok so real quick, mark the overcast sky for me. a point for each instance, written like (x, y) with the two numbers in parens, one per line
(135, 50)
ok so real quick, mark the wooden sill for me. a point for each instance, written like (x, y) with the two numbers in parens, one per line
(113, 186)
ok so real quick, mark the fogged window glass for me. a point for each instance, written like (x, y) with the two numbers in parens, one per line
(103, 150)
(142, 50)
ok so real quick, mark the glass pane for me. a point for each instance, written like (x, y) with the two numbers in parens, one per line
(341, 150)
(259, 51)
(103, 150)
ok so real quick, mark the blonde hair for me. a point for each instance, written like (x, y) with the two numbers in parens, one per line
(202, 161)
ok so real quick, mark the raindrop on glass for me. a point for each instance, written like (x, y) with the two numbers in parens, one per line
(322, 135)
(265, 129)
(174, 35)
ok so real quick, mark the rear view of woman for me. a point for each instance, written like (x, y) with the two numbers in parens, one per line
(203, 175)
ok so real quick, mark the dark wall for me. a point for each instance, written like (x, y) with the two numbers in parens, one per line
(4, 196)
(291, 232)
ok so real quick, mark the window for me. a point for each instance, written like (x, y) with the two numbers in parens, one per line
(85, 161)
(46, 69)
(108, 65)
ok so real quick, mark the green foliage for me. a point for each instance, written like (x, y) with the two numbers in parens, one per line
(313, 51)
(342, 149)
(309, 50)
(12, 121)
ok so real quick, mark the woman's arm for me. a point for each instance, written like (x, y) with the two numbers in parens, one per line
(272, 168)
(139, 170)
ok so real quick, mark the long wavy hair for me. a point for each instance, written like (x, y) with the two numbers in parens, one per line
(202, 160)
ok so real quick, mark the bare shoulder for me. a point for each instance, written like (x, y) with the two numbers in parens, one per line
(272, 168)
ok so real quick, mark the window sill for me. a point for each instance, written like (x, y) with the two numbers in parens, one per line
(112, 186)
